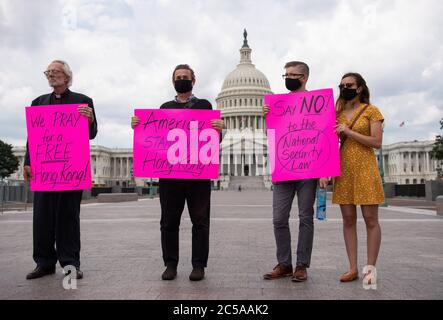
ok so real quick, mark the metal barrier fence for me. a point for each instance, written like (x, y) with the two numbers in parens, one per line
(410, 190)
(97, 190)
(14, 192)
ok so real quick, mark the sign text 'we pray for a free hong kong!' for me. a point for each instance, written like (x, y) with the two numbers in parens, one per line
(171, 143)
(301, 138)
(58, 145)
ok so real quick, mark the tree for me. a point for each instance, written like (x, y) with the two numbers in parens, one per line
(8, 161)
(437, 150)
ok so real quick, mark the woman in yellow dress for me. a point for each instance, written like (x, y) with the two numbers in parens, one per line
(359, 126)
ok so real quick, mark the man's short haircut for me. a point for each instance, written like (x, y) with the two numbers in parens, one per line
(304, 67)
(186, 67)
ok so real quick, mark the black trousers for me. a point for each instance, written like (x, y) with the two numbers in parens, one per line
(173, 194)
(57, 221)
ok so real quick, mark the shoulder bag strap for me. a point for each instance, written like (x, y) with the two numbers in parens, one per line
(352, 124)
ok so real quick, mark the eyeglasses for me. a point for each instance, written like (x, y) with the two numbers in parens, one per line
(292, 75)
(55, 72)
(346, 85)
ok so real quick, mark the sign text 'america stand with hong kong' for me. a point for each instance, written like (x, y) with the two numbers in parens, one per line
(176, 144)
(58, 145)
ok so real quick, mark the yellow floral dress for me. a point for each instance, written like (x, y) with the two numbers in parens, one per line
(359, 182)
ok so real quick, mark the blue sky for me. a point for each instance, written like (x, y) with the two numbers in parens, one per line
(123, 52)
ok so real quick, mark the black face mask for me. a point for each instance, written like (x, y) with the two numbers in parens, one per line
(183, 86)
(348, 94)
(292, 84)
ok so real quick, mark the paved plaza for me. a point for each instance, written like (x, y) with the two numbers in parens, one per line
(121, 254)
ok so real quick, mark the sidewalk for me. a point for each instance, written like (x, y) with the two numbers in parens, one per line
(121, 255)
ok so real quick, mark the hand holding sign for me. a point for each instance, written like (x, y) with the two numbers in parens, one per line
(134, 122)
(265, 110)
(218, 124)
(27, 174)
(86, 111)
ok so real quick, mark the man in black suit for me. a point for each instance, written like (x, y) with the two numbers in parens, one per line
(56, 217)
(175, 192)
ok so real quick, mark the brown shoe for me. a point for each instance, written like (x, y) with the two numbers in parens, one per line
(349, 276)
(279, 271)
(300, 274)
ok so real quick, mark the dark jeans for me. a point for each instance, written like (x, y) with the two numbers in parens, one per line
(283, 195)
(173, 194)
(57, 222)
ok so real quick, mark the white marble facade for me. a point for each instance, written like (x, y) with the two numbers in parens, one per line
(409, 162)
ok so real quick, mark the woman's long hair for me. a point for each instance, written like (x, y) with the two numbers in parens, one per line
(363, 97)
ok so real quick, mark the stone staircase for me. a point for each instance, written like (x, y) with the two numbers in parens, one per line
(246, 183)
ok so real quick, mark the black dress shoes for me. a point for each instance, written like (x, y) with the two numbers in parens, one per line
(170, 273)
(197, 274)
(39, 272)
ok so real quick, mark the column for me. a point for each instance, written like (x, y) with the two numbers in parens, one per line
(221, 165)
(256, 166)
(229, 162)
(127, 168)
(409, 163)
(426, 165)
(266, 165)
(121, 167)
(250, 165)
(417, 162)
(242, 165)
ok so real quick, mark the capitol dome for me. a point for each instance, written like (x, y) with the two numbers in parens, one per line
(241, 97)
(245, 75)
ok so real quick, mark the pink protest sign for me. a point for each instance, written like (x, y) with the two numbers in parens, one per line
(176, 144)
(301, 137)
(58, 144)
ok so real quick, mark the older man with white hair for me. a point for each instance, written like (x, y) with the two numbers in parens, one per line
(56, 220)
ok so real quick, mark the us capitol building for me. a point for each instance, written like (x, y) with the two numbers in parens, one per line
(243, 156)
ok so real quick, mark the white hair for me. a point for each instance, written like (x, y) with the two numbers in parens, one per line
(66, 69)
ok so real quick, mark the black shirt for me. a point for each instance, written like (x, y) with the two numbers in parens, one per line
(194, 103)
